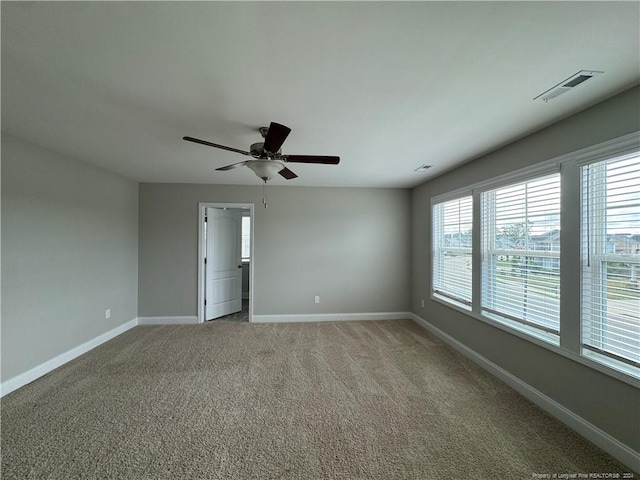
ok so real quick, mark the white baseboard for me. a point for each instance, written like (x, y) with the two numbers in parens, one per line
(168, 320)
(599, 437)
(329, 317)
(29, 376)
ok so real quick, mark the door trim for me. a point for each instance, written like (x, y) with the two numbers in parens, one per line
(201, 247)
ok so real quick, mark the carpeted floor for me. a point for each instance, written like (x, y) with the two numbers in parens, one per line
(352, 400)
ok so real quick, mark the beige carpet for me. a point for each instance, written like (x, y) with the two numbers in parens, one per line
(352, 400)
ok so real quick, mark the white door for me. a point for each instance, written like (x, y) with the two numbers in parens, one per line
(223, 262)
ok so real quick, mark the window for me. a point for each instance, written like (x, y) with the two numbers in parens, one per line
(509, 273)
(521, 254)
(611, 260)
(452, 250)
(246, 239)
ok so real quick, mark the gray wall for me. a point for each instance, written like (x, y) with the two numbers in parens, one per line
(69, 251)
(349, 246)
(602, 400)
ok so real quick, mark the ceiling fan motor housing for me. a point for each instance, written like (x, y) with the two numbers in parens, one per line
(257, 151)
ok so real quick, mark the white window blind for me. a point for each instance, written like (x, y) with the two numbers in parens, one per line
(521, 254)
(611, 261)
(246, 238)
(452, 221)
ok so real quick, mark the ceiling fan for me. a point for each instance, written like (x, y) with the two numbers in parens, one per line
(267, 157)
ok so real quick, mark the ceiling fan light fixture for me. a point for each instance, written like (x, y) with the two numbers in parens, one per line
(265, 169)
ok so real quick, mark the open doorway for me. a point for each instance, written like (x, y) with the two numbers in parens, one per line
(225, 262)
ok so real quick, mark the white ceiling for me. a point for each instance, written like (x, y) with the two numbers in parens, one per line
(386, 86)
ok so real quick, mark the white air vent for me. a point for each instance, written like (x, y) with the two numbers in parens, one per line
(568, 84)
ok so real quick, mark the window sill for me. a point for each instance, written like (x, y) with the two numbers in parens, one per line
(586, 359)
(448, 301)
(611, 363)
(527, 331)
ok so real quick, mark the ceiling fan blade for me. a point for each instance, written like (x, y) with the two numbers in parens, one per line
(276, 136)
(209, 144)
(288, 174)
(234, 165)
(328, 160)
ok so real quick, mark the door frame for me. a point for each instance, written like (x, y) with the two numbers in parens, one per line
(202, 206)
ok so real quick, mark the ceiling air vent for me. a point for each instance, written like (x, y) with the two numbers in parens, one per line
(568, 84)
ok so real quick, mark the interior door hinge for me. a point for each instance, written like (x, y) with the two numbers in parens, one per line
(205, 301)
(205, 260)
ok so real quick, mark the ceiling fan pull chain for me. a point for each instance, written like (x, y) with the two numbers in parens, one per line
(264, 193)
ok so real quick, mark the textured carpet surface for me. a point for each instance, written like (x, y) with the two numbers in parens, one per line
(350, 400)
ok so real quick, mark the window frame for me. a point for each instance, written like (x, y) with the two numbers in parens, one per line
(570, 340)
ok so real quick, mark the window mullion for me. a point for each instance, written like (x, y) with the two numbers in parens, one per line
(570, 201)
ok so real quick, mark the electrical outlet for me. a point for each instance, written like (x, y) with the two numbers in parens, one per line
(317, 299)
(423, 303)
(107, 313)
